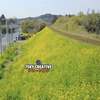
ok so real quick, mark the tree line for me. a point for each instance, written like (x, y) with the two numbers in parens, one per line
(90, 21)
(32, 26)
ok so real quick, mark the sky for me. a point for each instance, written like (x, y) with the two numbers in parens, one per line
(32, 8)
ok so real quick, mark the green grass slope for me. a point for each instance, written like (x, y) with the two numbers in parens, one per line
(75, 74)
(69, 24)
(72, 25)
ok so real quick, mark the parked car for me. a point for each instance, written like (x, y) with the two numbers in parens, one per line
(21, 37)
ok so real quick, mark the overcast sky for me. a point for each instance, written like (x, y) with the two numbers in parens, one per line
(26, 8)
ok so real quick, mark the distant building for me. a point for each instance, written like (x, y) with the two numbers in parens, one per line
(8, 25)
(7, 28)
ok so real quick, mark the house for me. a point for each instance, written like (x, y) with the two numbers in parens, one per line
(9, 28)
(8, 25)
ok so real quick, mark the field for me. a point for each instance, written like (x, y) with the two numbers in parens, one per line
(75, 74)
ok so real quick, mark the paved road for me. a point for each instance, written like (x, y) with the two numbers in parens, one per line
(4, 39)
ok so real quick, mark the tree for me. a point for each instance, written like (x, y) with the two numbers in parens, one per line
(32, 26)
(98, 24)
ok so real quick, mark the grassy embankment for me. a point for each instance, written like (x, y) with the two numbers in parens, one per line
(71, 25)
(74, 76)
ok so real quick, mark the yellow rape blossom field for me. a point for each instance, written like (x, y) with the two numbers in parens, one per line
(75, 74)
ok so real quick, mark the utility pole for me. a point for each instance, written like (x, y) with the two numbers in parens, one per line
(1, 27)
(1, 42)
(7, 35)
(10, 33)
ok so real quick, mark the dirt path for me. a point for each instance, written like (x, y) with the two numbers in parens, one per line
(78, 37)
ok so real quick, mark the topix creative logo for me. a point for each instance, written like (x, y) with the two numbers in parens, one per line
(38, 67)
